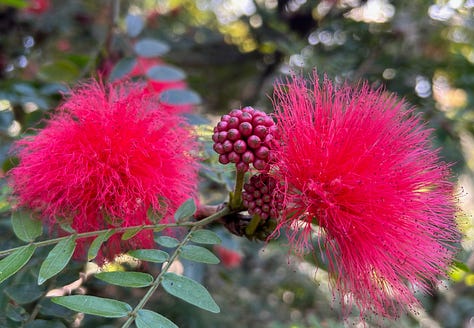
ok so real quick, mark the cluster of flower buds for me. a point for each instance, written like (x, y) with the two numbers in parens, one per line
(244, 137)
(259, 196)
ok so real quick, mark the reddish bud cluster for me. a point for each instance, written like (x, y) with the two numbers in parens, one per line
(243, 137)
(259, 196)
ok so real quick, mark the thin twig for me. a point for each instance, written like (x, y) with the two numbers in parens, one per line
(155, 227)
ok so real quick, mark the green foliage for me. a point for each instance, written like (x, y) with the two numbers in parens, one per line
(231, 59)
(204, 236)
(150, 48)
(149, 255)
(123, 67)
(150, 319)
(130, 233)
(24, 290)
(25, 226)
(57, 259)
(190, 291)
(97, 243)
(165, 73)
(45, 324)
(187, 209)
(126, 279)
(180, 97)
(15, 261)
(198, 254)
(166, 241)
(99, 306)
(61, 70)
(135, 25)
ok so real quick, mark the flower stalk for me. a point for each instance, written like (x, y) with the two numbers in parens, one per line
(236, 196)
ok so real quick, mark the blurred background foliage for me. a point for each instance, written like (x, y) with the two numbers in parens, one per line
(231, 52)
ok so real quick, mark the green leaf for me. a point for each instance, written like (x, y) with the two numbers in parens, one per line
(155, 215)
(50, 89)
(66, 226)
(131, 233)
(135, 25)
(14, 3)
(102, 307)
(198, 254)
(149, 255)
(61, 70)
(57, 259)
(150, 319)
(24, 89)
(50, 309)
(24, 293)
(15, 261)
(205, 237)
(122, 68)
(165, 73)
(187, 209)
(180, 97)
(461, 266)
(126, 279)
(97, 243)
(150, 48)
(25, 226)
(166, 241)
(190, 291)
(6, 119)
(15, 313)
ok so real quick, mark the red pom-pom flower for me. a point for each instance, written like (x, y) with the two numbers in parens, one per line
(105, 158)
(358, 164)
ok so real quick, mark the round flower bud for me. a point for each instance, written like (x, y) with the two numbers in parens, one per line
(225, 118)
(228, 146)
(262, 152)
(218, 148)
(236, 113)
(246, 117)
(233, 134)
(240, 147)
(222, 126)
(248, 109)
(222, 136)
(268, 121)
(248, 157)
(259, 120)
(233, 123)
(223, 159)
(233, 157)
(260, 131)
(254, 142)
(259, 164)
(246, 129)
(242, 167)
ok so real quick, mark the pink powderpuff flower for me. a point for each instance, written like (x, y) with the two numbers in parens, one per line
(360, 165)
(37, 7)
(106, 157)
(230, 258)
